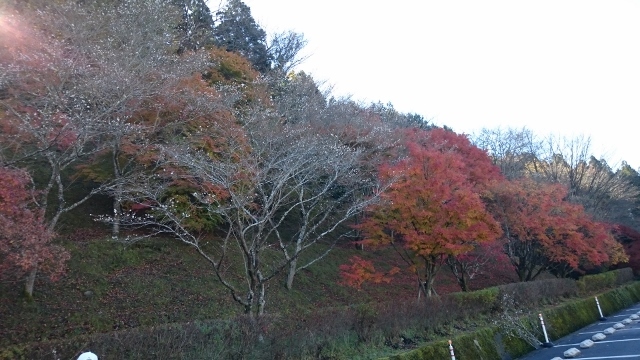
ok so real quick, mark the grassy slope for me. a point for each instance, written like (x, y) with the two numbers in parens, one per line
(161, 281)
(111, 287)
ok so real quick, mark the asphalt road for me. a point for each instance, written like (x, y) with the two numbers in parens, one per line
(624, 343)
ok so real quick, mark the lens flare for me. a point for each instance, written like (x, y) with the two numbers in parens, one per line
(16, 35)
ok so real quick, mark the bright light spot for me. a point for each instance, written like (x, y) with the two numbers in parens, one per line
(14, 34)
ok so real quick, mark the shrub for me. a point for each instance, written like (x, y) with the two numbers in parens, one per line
(533, 293)
(485, 298)
(592, 283)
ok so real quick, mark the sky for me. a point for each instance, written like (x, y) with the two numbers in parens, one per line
(561, 67)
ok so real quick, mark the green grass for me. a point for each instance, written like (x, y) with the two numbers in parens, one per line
(157, 281)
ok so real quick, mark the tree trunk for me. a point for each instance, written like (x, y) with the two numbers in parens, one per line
(117, 199)
(115, 231)
(459, 270)
(261, 300)
(428, 285)
(463, 282)
(31, 279)
(256, 300)
(431, 270)
(292, 273)
(521, 271)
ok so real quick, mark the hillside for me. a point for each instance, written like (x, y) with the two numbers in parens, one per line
(110, 286)
(169, 181)
(158, 295)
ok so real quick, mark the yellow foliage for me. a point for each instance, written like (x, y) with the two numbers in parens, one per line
(232, 69)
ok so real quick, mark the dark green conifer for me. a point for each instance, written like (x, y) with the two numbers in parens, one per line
(236, 30)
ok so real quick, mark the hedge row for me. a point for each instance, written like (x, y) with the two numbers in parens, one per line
(531, 292)
(592, 283)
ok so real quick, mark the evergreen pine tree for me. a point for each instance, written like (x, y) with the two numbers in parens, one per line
(236, 30)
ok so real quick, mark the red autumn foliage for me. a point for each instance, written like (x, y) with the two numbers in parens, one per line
(476, 164)
(25, 241)
(543, 231)
(432, 211)
(360, 271)
(486, 260)
(630, 240)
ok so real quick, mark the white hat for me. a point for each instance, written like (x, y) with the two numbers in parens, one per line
(88, 356)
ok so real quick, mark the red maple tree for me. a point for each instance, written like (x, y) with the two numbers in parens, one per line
(431, 212)
(476, 165)
(543, 231)
(486, 260)
(25, 240)
(630, 240)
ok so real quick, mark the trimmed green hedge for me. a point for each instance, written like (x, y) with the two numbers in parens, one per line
(483, 344)
(477, 345)
(484, 298)
(532, 292)
(488, 343)
(597, 282)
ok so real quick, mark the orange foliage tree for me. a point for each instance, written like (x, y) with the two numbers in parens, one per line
(543, 231)
(480, 172)
(432, 211)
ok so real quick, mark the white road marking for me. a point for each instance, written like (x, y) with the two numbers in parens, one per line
(611, 341)
(601, 342)
(595, 332)
(611, 357)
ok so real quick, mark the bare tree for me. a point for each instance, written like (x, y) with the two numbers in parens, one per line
(336, 198)
(287, 175)
(105, 64)
(74, 77)
(46, 117)
(45, 127)
(563, 160)
(510, 149)
(591, 182)
(327, 189)
(284, 51)
(297, 98)
(627, 211)
(137, 70)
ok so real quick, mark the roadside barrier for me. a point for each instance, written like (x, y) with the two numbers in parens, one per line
(602, 318)
(546, 343)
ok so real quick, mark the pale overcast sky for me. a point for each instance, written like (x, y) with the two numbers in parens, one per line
(554, 66)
